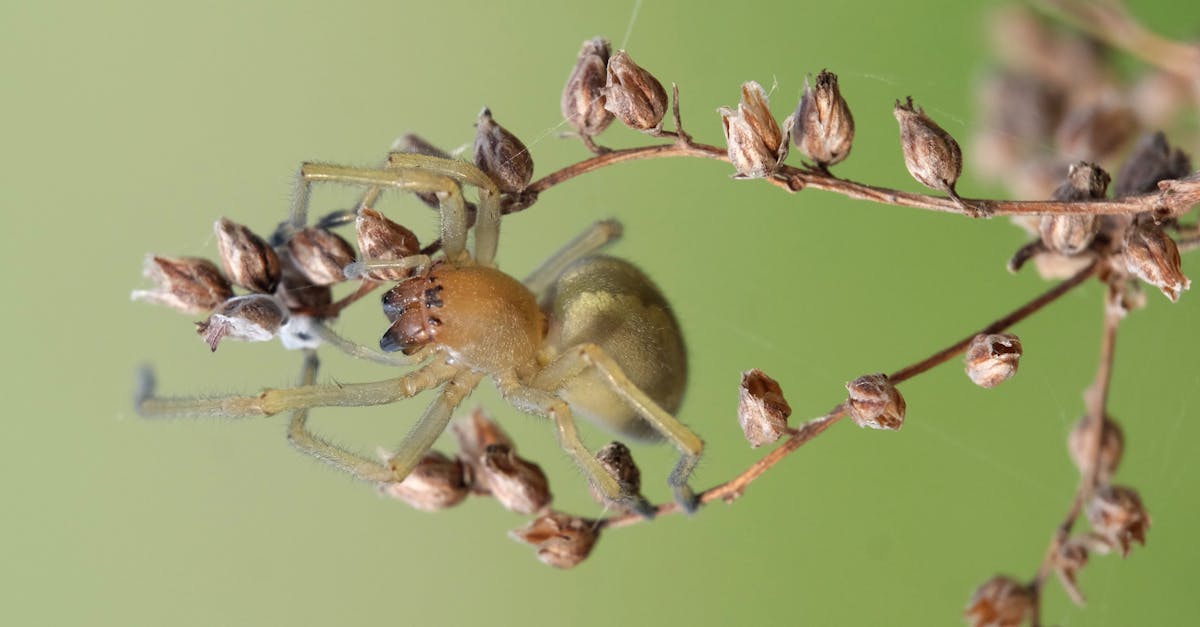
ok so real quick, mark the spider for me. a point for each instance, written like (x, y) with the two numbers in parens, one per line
(584, 334)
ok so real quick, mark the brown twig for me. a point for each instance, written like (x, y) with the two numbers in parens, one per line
(1174, 197)
(732, 489)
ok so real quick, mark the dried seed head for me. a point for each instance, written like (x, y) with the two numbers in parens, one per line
(437, 482)
(501, 155)
(634, 95)
(1096, 131)
(876, 403)
(756, 145)
(188, 284)
(1072, 234)
(930, 153)
(1000, 602)
(380, 238)
(1157, 97)
(320, 255)
(1118, 517)
(1082, 448)
(583, 96)
(762, 410)
(617, 460)
(250, 318)
(1152, 255)
(247, 258)
(1071, 557)
(519, 484)
(1151, 161)
(822, 127)
(296, 292)
(561, 540)
(992, 358)
(1020, 106)
(475, 432)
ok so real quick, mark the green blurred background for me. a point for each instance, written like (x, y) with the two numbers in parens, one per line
(129, 127)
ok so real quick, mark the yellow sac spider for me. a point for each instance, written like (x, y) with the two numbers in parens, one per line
(584, 334)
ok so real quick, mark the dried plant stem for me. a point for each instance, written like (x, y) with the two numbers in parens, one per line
(732, 489)
(1095, 401)
(1112, 23)
(1173, 199)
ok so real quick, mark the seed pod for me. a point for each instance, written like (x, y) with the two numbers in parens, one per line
(992, 359)
(380, 238)
(583, 96)
(250, 318)
(1096, 131)
(437, 482)
(1082, 448)
(1118, 517)
(930, 153)
(518, 484)
(617, 460)
(762, 410)
(874, 402)
(188, 284)
(320, 255)
(475, 433)
(1072, 234)
(296, 292)
(1000, 602)
(634, 95)
(756, 145)
(247, 258)
(1151, 161)
(501, 155)
(1153, 256)
(561, 540)
(1071, 557)
(822, 127)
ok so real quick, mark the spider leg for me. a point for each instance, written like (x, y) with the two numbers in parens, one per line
(594, 238)
(358, 351)
(574, 360)
(453, 206)
(309, 443)
(425, 432)
(487, 219)
(272, 401)
(540, 403)
(359, 269)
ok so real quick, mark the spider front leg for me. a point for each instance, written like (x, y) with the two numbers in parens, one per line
(431, 424)
(540, 403)
(272, 401)
(572, 362)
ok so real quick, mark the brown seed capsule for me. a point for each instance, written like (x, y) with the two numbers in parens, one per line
(1020, 106)
(756, 145)
(561, 540)
(874, 402)
(320, 255)
(296, 292)
(518, 484)
(616, 458)
(930, 153)
(583, 96)
(1072, 234)
(437, 482)
(1153, 256)
(992, 358)
(1096, 131)
(188, 284)
(250, 318)
(634, 95)
(822, 127)
(1151, 161)
(1071, 557)
(381, 239)
(247, 258)
(475, 433)
(1118, 517)
(1082, 448)
(1000, 602)
(501, 155)
(762, 410)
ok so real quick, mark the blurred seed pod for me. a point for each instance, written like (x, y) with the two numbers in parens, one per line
(437, 482)
(1073, 234)
(583, 95)
(633, 95)
(999, 602)
(188, 284)
(1118, 517)
(874, 402)
(561, 540)
(1153, 257)
(617, 460)
(250, 318)
(500, 155)
(296, 292)
(1095, 131)
(518, 484)
(247, 258)
(992, 359)
(762, 410)
(1151, 161)
(1082, 448)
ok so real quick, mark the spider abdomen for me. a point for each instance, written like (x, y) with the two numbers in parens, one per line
(609, 302)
